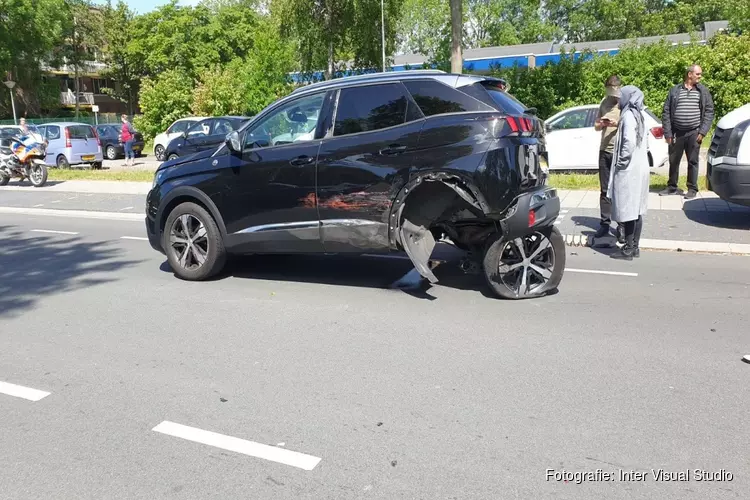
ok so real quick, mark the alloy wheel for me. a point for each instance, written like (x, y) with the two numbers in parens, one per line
(526, 263)
(159, 152)
(37, 175)
(111, 153)
(188, 241)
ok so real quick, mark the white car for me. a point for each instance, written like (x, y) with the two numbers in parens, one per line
(728, 159)
(177, 128)
(573, 143)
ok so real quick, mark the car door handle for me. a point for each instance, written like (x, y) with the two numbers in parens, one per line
(302, 160)
(393, 149)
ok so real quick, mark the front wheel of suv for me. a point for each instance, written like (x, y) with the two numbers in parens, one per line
(193, 243)
(525, 267)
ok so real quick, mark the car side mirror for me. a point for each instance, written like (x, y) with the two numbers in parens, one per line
(233, 141)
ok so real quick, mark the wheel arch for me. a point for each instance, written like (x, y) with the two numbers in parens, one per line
(420, 203)
(184, 194)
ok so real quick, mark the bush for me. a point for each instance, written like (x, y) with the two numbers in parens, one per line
(163, 100)
(653, 68)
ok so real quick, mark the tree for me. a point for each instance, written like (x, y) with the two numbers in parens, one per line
(164, 99)
(122, 67)
(82, 35)
(29, 30)
(457, 24)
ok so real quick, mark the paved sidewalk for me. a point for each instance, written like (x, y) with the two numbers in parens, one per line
(706, 201)
(99, 187)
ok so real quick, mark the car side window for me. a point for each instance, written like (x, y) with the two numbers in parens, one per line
(200, 129)
(373, 107)
(295, 121)
(222, 127)
(53, 132)
(436, 98)
(177, 128)
(570, 120)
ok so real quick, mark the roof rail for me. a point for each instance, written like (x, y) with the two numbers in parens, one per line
(367, 76)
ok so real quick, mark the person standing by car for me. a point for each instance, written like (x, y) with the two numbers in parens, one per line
(687, 117)
(629, 180)
(128, 138)
(606, 122)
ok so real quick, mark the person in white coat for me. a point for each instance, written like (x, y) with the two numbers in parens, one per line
(629, 178)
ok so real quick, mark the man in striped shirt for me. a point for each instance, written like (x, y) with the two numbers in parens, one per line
(687, 118)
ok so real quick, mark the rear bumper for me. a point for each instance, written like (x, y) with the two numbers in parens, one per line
(730, 182)
(531, 211)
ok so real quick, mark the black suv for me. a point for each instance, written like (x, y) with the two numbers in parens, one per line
(205, 134)
(385, 162)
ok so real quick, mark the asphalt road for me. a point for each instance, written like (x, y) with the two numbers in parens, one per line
(438, 394)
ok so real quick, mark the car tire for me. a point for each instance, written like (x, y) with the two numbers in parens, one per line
(4, 180)
(159, 152)
(62, 162)
(97, 165)
(111, 153)
(193, 256)
(504, 266)
(173, 156)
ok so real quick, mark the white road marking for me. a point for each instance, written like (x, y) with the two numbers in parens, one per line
(20, 391)
(258, 450)
(560, 217)
(137, 238)
(75, 214)
(56, 201)
(126, 208)
(51, 232)
(40, 205)
(593, 271)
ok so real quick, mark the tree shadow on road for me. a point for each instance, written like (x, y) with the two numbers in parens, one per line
(32, 267)
(738, 218)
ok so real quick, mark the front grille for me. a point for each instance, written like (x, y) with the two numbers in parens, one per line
(719, 143)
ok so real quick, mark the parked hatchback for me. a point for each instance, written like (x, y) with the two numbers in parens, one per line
(394, 162)
(72, 144)
(573, 143)
(205, 134)
(176, 129)
(112, 145)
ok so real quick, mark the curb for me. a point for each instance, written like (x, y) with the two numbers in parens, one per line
(708, 247)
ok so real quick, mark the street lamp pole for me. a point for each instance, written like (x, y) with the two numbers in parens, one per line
(10, 84)
(382, 30)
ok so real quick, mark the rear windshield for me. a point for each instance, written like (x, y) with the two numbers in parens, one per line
(652, 115)
(489, 92)
(81, 132)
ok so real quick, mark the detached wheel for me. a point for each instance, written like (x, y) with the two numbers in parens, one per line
(159, 152)
(193, 243)
(526, 267)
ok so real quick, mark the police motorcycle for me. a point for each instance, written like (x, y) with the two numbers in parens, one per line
(22, 157)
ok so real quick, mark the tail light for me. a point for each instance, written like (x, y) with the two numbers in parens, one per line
(658, 132)
(67, 138)
(98, 140)
(521, 126)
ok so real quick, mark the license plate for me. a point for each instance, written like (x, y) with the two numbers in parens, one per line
(88, 157)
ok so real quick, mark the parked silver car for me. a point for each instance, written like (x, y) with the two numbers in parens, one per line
(72, 143)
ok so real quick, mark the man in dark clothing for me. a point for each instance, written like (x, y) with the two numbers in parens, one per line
(687, 117)
(606, 123)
